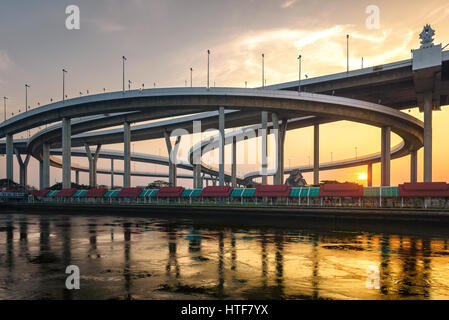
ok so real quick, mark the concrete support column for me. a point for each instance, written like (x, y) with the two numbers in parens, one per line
(221, 127)
(275, 122)
(24, 171)
(96, 156)
(93, 160)
(197, 176)
(127, 155)
(45, 166)
(414, 166)
(172, 158)
(281, 130)
(196, 160)
(264, 116)
(41, 175)
(202, 179)
(23, 166)
(370, 175)
(91, 168)
(199, 181)
(171, 168)
(385, 156)
(234, 162)
(112, 173)
(9, 157)
(428, 137)
(66, 153)
(282, 133)
(316, 154)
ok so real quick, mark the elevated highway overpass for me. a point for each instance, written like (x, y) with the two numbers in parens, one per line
(371, 95)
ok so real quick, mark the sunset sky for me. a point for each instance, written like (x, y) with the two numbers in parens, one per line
(163, 39)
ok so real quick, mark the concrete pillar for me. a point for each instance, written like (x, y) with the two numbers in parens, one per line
(275, 122)
(316, 154)
(172, 158)
(41, 175)
(281, 129)
(45, 166)
(9, 157)
(197, 176)
(21, 169)
(282, 133)
(66, 153)
(428, 137)
(199, 182)
(174, 175)
(77, 177)
(127, 155)
(23, 166)
(93, 160)
(112, 173)
(95, 164)
(202, 179)
(414, 166)
(24, 171)
(90, 160)
(264, 146)
(370, 175)
(385, 156)
(221, 126)
(197, 154)
(234, 162)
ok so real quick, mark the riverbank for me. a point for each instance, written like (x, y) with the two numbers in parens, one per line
(409, 215)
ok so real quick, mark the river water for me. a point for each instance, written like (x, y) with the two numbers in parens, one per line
(136, 257)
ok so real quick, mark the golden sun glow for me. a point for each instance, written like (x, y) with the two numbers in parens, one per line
(362, 176)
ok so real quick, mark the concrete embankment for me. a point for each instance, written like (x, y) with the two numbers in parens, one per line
(229, 211)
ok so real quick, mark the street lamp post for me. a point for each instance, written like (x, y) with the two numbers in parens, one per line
(26, 103)
(347, 53)
(191, 78)
(26, 97)
(208, 55)
(4, 106)
(64, 71)
(356, 153)
(123, 62)
(299, 74)
(263, 70)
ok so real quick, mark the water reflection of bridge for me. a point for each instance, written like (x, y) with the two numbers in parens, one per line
(218, 262)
